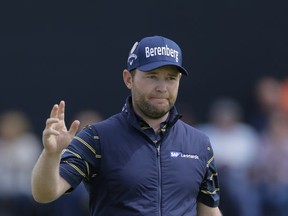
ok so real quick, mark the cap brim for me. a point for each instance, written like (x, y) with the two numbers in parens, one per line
(155, 65)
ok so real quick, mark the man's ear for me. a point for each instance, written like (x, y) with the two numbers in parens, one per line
(127, 77)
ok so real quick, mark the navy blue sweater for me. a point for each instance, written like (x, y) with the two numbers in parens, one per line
(128, 170)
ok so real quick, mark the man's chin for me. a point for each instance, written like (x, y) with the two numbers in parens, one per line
(158, 113)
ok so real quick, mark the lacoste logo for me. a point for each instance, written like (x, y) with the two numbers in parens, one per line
(174, 154)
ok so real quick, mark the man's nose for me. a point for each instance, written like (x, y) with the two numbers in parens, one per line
(161, 85)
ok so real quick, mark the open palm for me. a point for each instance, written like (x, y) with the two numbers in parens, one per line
(56, 137)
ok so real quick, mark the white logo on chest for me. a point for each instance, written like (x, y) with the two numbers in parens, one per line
(175, 154)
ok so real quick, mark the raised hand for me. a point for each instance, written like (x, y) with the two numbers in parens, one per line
(56, 137)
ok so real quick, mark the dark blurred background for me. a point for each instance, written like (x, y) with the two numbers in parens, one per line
(76, 51)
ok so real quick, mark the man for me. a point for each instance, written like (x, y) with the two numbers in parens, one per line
(141, 161)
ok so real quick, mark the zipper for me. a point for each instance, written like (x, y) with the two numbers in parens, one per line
(159, 180)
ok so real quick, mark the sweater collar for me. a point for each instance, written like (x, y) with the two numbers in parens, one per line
(137, 121)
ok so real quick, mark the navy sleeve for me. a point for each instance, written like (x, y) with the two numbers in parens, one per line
(81, 160)
(209, 190)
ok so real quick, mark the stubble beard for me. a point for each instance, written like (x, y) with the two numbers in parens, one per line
(152, 111)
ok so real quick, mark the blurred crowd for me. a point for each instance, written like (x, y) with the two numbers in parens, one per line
(20, 147)
(250, 147)
(251, 150)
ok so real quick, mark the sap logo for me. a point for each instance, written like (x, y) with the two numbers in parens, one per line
(175, 154)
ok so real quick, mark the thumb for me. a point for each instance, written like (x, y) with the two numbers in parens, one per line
(74, 127)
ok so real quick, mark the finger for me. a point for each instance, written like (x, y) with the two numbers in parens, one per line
(50, 131)
(61, 111)
(74, 127)
(54, 111)
(51, 121)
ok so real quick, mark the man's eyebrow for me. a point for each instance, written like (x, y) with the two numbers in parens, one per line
(173, 73)
(151, 72)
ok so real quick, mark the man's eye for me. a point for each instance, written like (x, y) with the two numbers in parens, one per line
(152, 77)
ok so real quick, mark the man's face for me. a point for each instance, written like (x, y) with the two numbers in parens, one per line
(155, 92)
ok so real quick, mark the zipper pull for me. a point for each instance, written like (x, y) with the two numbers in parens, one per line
(157, 147)
(158, 150)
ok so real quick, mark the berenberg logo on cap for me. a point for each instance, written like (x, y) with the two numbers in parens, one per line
(154, 51)
(164, 50)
